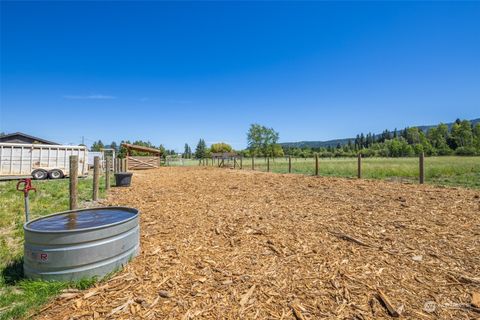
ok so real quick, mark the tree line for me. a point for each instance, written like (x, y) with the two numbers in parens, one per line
(463, 138)
(262, 141)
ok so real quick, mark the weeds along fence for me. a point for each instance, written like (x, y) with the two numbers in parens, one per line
(404, 168)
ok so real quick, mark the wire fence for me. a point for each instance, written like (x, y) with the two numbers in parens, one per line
(447, 170)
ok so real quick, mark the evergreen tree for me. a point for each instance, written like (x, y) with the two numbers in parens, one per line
(362, 141)
(201, 150)
(97, 146)
(113, 145)
(357, 143)
(187, 153)
(369, 140)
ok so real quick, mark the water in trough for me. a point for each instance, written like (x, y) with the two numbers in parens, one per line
(81, 219)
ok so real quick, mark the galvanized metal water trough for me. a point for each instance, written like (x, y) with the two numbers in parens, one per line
(80, 244)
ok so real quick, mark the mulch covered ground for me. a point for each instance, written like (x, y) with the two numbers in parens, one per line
(226, 244)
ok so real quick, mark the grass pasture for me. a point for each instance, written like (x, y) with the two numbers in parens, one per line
(450, 171)
(19, 296)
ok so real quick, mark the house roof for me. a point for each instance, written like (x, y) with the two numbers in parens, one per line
(43, 141)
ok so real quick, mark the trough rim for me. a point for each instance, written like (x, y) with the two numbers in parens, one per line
(133, 210)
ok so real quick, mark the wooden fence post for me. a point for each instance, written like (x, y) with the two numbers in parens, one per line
(359, 167)
(241, 162)
(253, 163)
(422, 168)
(125, 165)
(289, 164)
(316, 164)
(73, 182)
(107, 173)
(268, 164)
(96, 175)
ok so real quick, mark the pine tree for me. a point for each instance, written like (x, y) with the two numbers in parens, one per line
(349, 144)
(187, 152)
(201, 149)
(97, 146)
(113, 145)
(357, 143)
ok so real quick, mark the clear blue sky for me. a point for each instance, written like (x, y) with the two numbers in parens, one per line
(175, 72)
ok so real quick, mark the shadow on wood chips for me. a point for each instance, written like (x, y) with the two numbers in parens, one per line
(225, 244)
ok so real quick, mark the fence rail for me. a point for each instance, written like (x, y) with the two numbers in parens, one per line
(344, 167)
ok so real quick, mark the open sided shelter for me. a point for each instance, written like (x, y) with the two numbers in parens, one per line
(221, 157)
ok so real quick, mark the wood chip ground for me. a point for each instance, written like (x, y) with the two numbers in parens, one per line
(230, 244)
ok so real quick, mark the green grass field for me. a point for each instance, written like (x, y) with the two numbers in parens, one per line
(19, 296)
(450, 171)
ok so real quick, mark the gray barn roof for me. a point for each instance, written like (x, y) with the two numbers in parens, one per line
(20, 137)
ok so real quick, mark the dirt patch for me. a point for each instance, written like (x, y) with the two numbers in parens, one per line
(225, 244)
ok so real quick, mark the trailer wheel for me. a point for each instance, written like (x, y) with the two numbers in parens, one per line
(39, 174)
(55, 174)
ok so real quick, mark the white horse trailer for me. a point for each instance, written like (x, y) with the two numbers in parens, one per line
(41, 161)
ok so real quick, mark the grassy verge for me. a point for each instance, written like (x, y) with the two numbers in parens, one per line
(451, 171)
(18, 296)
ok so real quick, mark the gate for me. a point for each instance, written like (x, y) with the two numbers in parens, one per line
(143, 162)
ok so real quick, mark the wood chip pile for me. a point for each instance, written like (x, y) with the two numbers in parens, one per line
(226, 244)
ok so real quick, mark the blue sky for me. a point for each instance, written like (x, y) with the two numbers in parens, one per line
(175, 72)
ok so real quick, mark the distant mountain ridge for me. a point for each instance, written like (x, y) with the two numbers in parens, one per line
(335, 142)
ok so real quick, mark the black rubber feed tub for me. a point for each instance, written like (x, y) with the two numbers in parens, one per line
(123, 179)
